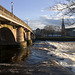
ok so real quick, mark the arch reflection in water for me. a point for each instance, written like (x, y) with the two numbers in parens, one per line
(14, 55)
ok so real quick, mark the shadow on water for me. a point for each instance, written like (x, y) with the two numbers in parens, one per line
(13, 55)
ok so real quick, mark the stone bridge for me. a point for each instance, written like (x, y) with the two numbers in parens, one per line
(13, 29)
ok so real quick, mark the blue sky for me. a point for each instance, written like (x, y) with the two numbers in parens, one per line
(33, 10)
(27, 8)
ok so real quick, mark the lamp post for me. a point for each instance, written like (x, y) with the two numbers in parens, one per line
(27, 21)
(12, 7)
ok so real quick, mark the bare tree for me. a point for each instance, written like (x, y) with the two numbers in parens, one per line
(50, 29)
(66, 9)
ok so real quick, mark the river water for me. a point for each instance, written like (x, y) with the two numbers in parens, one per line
(14, 55)
(62, 52)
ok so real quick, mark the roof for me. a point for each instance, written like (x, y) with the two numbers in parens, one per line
(71, 26)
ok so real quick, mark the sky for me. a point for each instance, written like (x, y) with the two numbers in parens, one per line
(34, 12)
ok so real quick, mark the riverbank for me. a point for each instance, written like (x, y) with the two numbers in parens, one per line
(38, 63)
(56, 38)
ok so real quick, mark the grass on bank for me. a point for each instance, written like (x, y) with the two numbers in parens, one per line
(56, 38)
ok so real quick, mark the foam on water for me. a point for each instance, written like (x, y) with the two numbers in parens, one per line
(64, 53)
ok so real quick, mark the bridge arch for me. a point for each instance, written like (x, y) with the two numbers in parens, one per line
(6, 35)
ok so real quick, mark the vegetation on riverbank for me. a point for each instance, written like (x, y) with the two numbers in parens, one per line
(56, 38)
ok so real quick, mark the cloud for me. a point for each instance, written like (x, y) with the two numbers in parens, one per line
(42, 10)
(58, 7)
(43, 21)
(47, 20)
(60, 15)
(34, 24)
(46, 17)
(64, 9)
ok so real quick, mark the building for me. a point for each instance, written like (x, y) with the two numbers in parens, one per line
(56, 32)
(38, 32)
(70, 30)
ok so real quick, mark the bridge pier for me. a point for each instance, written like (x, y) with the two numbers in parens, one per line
(29, 35)
(29, 41)
(20, 35)
(25, 35)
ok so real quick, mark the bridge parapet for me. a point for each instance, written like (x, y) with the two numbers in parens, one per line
(4, 13)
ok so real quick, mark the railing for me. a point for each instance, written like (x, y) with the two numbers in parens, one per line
(8, 14)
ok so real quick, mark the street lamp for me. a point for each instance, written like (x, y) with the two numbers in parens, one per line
(12, 7)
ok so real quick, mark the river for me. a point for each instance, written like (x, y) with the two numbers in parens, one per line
(62, 52)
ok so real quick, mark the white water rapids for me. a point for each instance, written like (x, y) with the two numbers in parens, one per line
(64, 53)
